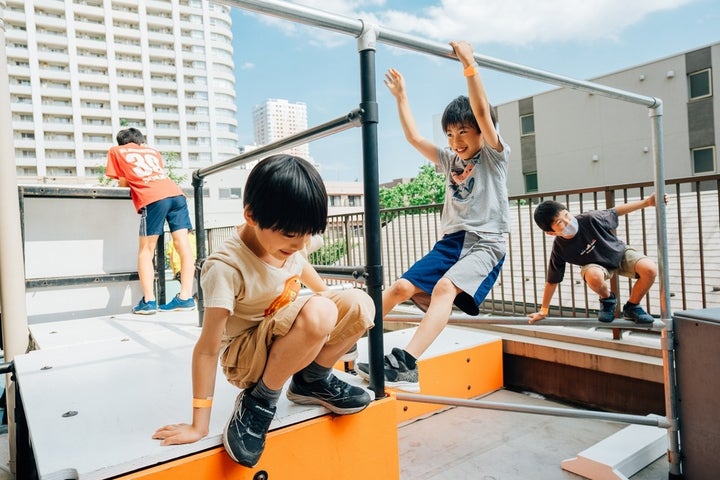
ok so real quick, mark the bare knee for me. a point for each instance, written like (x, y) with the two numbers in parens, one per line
(317, 317)
(595, 280)
(444, 287)
(646, 270)
(401, 290)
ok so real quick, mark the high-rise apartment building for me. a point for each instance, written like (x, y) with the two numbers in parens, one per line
(276, 119)
(80, 70)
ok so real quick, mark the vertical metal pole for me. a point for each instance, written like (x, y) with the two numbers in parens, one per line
(668, 331)
(12, 270)
(200, 239)
(371, 185)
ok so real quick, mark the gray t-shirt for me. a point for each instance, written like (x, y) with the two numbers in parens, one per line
(476, 198)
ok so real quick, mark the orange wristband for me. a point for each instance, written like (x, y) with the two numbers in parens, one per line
(544, 310)
(202, 402)
(470, 70)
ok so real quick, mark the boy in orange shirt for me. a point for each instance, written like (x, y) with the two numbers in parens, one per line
(156, 198)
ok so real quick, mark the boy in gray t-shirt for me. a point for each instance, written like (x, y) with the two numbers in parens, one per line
(462, 266)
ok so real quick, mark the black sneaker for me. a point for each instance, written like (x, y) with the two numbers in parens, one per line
(244, 435)
(332, 393)
(397, 373)
(607, 309)
(637, 315)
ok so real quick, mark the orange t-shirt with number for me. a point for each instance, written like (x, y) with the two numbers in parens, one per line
(142, 167)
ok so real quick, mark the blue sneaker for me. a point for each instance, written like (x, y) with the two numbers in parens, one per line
(177, 305)
(145, 308)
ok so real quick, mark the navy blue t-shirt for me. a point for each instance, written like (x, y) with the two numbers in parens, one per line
(595, 242)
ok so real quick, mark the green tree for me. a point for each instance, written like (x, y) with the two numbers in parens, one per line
(328, 254)
(170, 159)
(426, 188)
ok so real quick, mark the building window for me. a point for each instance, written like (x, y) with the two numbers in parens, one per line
(355, 200)
(531, 182)
(699, 84)
(229, 193)
(703, 160)
(527, 124)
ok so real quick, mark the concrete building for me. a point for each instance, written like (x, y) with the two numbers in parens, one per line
(567, 139)
(80, 70)
(277, 119)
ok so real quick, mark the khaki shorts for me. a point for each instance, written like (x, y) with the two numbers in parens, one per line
(244, 356)
(627, 265)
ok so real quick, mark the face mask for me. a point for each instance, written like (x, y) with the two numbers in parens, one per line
(571, 229)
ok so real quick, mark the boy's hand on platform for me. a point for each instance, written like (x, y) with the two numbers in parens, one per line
(177, 434)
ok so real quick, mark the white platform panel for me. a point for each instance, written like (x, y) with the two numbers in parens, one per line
(124, 376)
(621, 455)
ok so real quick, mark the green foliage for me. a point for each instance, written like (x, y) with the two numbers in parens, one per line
(328, 254)
(426, 188)
(170, 159)
(103, 181)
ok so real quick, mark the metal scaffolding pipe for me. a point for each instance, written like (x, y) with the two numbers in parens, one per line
(524, 321)
(651, 420)
(355, 27)
(12, 270)
(337, 125)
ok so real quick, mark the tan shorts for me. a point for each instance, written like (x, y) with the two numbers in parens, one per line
(627, 265)
(244, 356)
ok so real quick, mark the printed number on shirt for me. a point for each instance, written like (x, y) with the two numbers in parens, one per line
(144, 165)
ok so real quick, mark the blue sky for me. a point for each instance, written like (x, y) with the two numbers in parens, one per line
(276, 58)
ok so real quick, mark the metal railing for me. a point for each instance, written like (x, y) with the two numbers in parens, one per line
(694, 250)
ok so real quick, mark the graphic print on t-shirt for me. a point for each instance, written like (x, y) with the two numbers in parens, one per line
(287, 296)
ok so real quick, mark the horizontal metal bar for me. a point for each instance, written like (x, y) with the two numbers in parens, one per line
(355, 27)
(651, 420)
(7, 367)
(357, 273)
(546, 322)
(81, 280)
(352, 119)
(74, 192)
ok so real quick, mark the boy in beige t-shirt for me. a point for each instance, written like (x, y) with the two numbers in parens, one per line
(263, 331)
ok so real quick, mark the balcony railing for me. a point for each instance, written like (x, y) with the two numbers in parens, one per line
(693, 232)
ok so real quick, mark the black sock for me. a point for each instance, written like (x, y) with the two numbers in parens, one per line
(264, 394)
(409, 360)
(313, 373)
(630, 305)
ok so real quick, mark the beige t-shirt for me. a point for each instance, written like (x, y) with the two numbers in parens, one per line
(235, 279)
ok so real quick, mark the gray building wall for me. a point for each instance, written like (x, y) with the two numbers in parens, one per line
(585, 140)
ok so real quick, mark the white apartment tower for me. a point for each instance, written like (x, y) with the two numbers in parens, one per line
(80, 70)
(276, 119)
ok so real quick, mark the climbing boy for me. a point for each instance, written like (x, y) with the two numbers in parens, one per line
(264, 331)
(589, 240)
(462, 267)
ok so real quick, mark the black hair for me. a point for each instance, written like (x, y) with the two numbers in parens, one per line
(130, 135)
(459, 112)
(286, 193)
(546, 212)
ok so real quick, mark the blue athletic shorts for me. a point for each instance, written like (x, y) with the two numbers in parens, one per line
(471, 261)
(173, 209)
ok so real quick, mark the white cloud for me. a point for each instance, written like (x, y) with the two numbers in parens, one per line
(510, 22)
(521, 22)
(247, 66)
